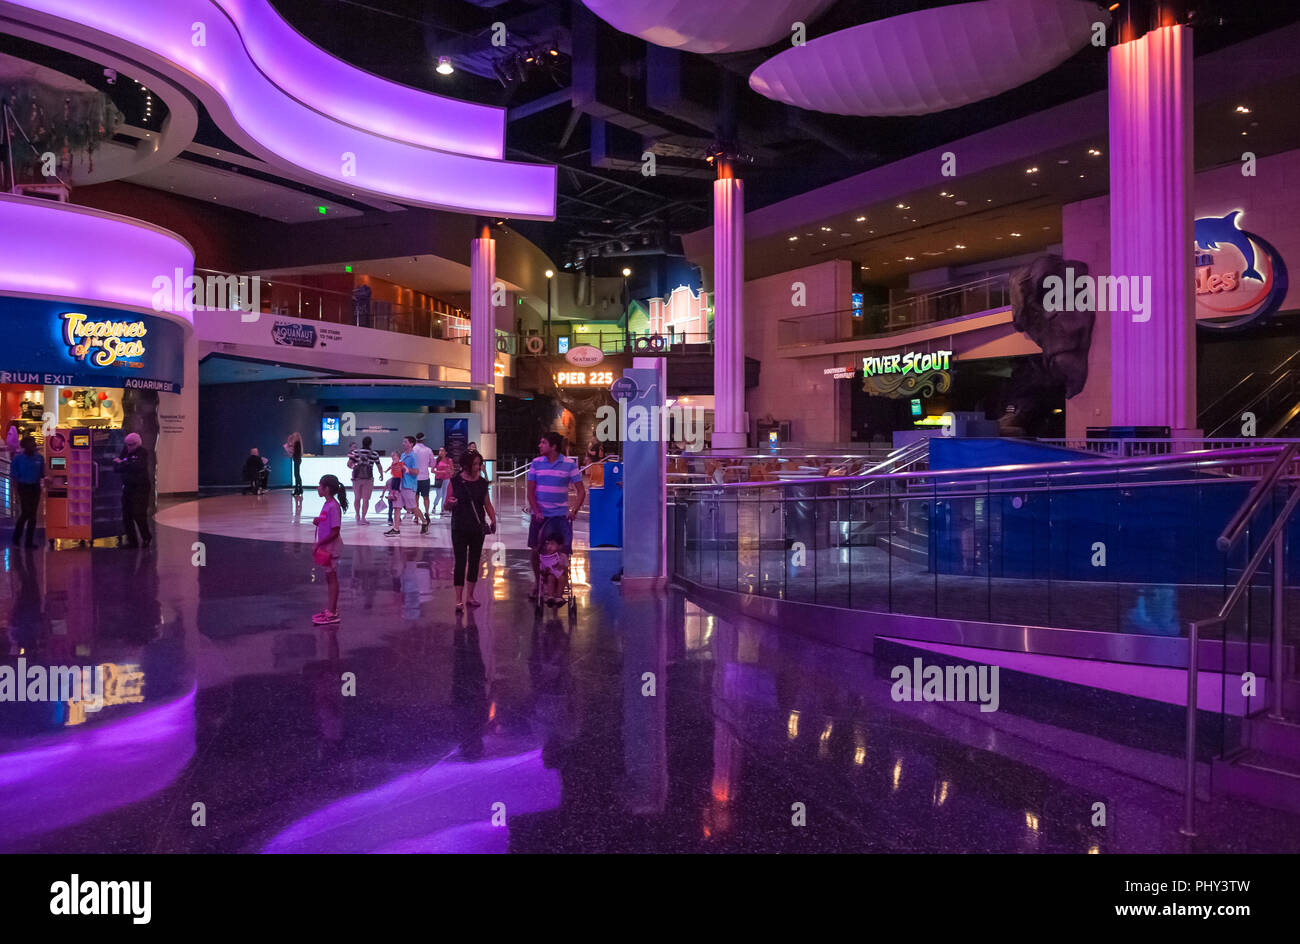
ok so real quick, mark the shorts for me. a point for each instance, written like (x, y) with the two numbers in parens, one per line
(408, 499)
(332, 567)
(422, 488)
(560, 527)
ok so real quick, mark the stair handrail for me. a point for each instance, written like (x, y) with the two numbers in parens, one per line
(1236, 525)
(1274, 543)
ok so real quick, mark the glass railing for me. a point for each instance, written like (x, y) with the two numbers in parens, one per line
(1123, 547)
(561, 340)
(292, 300)
(873, 321)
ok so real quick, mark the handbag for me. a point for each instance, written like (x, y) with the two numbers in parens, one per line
(487, 528)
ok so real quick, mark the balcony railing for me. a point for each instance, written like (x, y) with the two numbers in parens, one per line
(292, 300)
(872, 321)
(608, 342)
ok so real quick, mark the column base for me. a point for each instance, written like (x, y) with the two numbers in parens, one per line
(730, 442)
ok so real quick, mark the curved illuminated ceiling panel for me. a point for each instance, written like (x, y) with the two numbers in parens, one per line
(708, 26)
(59, 250)
(310, 124)
(929, 61)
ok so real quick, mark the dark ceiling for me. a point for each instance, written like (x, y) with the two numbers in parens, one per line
(593, 100)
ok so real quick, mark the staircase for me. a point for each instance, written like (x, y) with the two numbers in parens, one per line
(1272, 395)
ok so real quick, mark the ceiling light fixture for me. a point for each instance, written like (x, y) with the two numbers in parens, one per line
(444, 66)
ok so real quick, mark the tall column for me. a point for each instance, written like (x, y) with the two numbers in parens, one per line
(730, 431)
(1153, 352)
(483, 337)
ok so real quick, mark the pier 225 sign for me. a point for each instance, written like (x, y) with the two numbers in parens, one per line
(907, 375)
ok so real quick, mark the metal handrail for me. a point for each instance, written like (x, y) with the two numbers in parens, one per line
(1237, 523)
(1274, 543)
(1202, 459)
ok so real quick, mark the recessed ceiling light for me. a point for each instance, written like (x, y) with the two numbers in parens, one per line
(846, 234)
(1017, 235)
(862, 219)
(1064, 160)
(903, 206)
(1093, 152)
(909, 258)
(959, 246)
(961, 203)
(1031, 170)
(1243, 110)
(826, 229)
(794, 239)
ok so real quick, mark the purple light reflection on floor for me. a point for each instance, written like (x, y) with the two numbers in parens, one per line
(94, 770)
(438, 809)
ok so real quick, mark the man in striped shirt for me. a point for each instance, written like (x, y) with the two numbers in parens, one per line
(549, 478)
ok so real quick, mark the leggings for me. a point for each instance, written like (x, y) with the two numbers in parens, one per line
(297, 476)
(465, 542)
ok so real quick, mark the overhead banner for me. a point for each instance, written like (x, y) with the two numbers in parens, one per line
(48, 342)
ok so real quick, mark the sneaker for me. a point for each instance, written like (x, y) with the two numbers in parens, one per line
(392, 532)
(424, 528)
(325, 619)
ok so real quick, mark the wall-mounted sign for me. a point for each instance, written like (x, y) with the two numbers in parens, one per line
(101, 343)
(1240, 277)
(293, 334)
(499, 369)
(49, 343)
(562, 345)
(840, 373)
(584, 378)
(624, 388)
(907, 374)
(584, 355)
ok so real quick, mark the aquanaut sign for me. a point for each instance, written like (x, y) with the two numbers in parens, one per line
(907, 374)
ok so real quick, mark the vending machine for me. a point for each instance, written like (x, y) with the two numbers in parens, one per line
(83, 492)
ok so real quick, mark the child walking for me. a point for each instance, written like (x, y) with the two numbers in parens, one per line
(329, 543)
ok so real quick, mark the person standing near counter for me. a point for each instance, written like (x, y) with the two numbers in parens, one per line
(26, 471)
(293, 449)
(443, 470)
(133, 466)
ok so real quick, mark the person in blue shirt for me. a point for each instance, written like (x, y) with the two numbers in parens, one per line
(26, 471)
(410, 475)
(549, 477)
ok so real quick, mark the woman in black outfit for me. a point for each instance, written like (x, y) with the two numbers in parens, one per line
(472, 516)
(294, 448)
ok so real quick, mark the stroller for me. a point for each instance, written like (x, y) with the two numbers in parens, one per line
(567, 596)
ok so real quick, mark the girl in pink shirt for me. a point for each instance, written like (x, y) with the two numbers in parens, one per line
(329, 542)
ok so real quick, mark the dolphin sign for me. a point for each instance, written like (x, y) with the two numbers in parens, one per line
(1213, 230)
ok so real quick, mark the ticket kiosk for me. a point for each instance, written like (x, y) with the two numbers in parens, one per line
(83, 492)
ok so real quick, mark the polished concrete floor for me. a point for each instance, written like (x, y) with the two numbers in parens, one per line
(648, 723)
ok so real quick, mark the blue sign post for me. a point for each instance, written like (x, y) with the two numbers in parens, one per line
(640, 393)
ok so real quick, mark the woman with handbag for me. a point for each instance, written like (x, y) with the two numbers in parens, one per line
(293, 449)
(472, 519)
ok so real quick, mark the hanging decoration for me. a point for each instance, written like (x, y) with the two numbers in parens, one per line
(931, 60)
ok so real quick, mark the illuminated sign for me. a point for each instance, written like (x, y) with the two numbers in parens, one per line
(584, 355)
(905, 375)
(329, 430)
(1240, 277)
(563, 347)
(840, 373)
(499, 368)
(101, 343)
(584, 378)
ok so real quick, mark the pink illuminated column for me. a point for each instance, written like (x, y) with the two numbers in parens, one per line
(483, 337)
(730, 431)
(1153, 353)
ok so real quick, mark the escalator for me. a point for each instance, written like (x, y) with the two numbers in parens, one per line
(1273, 396)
